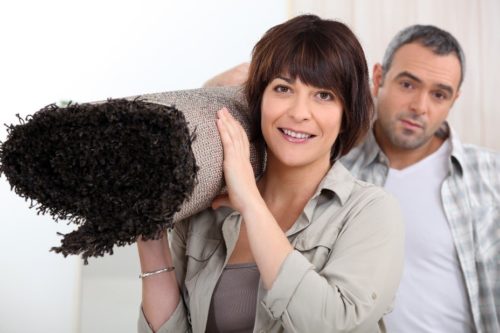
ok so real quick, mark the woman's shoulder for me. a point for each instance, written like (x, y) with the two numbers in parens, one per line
(369, 194)
(369, 203)
(358, 203)
(364, 201)
(353, 191)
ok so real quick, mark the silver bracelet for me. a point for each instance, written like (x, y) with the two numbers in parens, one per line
(162, 270)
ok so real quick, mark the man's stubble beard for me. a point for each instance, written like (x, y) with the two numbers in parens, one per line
(404, 138)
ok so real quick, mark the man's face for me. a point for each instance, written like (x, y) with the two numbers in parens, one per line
(415, 97)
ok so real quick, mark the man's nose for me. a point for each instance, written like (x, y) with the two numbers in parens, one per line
(419, 103)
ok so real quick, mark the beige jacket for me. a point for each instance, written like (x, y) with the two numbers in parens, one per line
(341, 277)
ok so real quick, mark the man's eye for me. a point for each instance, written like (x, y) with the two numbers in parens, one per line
(406, 84)
(440, 95)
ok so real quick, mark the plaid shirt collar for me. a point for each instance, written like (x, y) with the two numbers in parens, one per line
(371, 151)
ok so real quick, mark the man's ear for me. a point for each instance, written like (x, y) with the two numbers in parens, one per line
(377, 78)
(456, 97)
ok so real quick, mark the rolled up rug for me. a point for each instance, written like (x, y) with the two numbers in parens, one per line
(123, 167)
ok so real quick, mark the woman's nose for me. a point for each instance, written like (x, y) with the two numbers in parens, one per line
(300, 109)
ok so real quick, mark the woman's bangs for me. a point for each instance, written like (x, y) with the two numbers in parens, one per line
(309, 63)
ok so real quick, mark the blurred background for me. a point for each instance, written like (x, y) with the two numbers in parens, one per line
(54, 50)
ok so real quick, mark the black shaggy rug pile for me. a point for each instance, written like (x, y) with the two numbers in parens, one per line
(118, 169)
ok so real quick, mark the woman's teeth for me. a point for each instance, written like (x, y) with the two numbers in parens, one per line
(296, 135)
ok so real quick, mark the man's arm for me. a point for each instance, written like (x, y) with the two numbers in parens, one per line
(235, 76)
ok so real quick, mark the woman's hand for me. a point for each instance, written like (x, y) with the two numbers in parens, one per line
(238, 172)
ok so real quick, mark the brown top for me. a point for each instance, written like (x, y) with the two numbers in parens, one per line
(234, 300)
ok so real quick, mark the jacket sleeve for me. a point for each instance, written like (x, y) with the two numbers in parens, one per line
(357, 285)
(178, 322)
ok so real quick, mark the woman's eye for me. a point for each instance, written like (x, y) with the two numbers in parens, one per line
(325, 96)
(281, 89)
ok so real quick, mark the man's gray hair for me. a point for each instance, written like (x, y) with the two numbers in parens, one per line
(439, 41)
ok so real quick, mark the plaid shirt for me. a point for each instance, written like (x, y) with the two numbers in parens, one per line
(471, 200)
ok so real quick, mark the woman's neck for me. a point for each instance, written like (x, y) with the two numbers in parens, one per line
(284, 185)
(287, 190)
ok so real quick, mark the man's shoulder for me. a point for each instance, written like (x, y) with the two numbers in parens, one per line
(477, 159)
(481, 152)
(480, 170)
(365, 152)
(356, 156)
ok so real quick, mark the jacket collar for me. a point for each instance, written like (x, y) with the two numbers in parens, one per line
(339, 181)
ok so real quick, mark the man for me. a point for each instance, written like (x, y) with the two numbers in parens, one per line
(449, 192)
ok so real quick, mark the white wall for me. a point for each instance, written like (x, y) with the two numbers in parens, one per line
(89, 50)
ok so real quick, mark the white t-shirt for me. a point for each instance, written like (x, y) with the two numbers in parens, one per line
(432, 296)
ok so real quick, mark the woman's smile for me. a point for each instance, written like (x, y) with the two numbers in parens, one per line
(296, 136)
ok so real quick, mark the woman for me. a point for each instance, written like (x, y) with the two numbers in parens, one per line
(306, 248)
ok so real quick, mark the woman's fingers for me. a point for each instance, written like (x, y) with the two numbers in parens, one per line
(232, 133)
(238, 172)
(229, 127)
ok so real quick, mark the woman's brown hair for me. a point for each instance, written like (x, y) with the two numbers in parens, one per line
(321, 53)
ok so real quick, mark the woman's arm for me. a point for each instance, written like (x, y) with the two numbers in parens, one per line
(264, 234)
(163, 310)
(160, 292)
